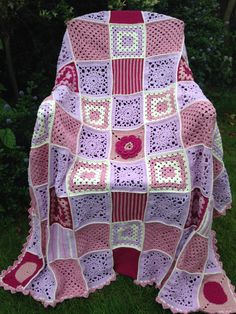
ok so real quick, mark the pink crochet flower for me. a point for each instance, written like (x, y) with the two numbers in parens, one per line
(129, 146)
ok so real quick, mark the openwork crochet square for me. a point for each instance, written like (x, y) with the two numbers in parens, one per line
(160, 104)
(97, 267)
(84, 212)
(127, 111)
(93, 144)
(153, 266)
(168, 207)
(128, 233)
(169, 172)
(128, 177)
(163, 135)
(96, 112)
(127, 41)
(159, 72)
(95, 78)
(87, 176)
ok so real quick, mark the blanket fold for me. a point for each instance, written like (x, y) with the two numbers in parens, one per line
(126, 170)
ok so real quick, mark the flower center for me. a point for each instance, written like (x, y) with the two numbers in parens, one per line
(128, 146)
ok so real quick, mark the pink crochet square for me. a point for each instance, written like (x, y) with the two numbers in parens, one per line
(69, 278)
(65, 129)
(87, 176)
(215, 294)
(92, 237)
(67, 76)
(128, 206)
(96, 112)
(198, 121)
(168, 172)
(25, 270)
(164, 37)
(60, 210)
(194, 255)
(90, 41)
(161, 237)
(38, 161)
(119, 136)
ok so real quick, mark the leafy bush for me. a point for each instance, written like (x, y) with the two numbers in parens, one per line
(209, 58)
(17, 125)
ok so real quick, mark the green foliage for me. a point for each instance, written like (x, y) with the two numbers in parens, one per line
(133, 4)
(15, 140)
(209, 58)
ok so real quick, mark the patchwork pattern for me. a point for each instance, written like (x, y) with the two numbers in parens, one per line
(163, 136)
(127, 234)
(125, 171)
(127, 41)
(87, 176)
(96, 112)
(160, 104)
(95, 78)
(168, 172)
(93, 144)
(127, 111)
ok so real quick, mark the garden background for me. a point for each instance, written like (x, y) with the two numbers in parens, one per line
(30, 40)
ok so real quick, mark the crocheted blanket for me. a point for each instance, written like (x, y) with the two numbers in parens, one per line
(126, 170)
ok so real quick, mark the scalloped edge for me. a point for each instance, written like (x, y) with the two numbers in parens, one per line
(25, 292)
(217, 213)
(19, 258)
(232, 287)
(53, 303)
(144, 283)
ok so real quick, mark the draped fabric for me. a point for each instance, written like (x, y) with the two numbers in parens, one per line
(126, 170)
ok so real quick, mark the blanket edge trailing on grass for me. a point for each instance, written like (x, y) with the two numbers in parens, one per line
(126, 170)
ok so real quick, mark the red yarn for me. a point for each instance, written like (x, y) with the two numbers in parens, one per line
(214, 293)
(128, 146)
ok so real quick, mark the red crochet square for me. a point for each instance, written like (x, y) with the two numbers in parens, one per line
(126, 16)
(126, 261)
(124, 79)
(24, 271)
(128, 206)
(60, 210)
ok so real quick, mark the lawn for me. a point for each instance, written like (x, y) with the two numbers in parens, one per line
(122, 296)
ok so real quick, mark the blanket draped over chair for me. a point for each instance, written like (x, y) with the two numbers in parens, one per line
(126, 170)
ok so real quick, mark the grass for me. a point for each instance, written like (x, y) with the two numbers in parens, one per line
(122, 296)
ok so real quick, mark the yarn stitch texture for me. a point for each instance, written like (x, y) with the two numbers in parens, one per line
(126, 170)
